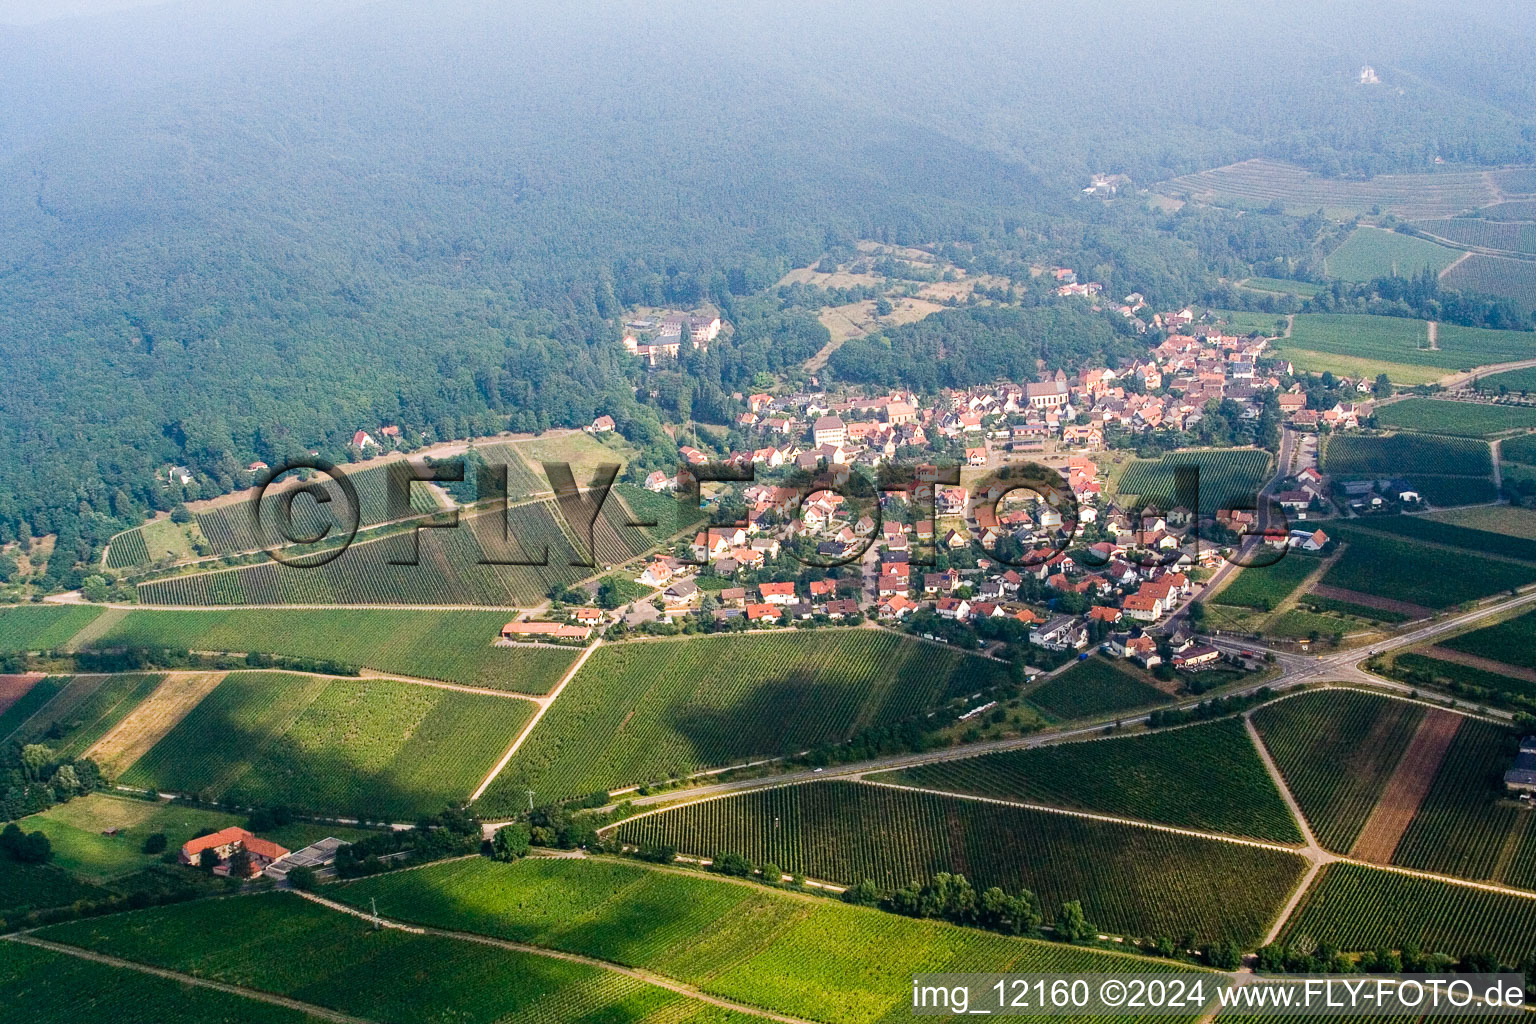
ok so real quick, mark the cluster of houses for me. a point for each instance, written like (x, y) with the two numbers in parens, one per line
(261, 856)
(1128, 581)
(665, 337)
(1170, 387)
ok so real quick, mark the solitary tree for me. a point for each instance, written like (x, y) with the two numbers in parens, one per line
(511, 841)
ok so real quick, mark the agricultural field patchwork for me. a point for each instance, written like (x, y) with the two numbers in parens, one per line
(454, 646)
(371, 747)
(470, 564)
(86, 710)
(1427, 670)
(1161, 776)
(1095, 687)
(1448, 529)
(1359, 908)
(653, 710)
(1397, 342)
(1460, 419)
(1466, 826)
(229, 527)
(813, 958)
(1228, 479)
(1260, 183)
(1369, 253)
(1496, 275)
(42, 627)
(1509, 641)
(1130, 879)
(339, 962)
(1336, 750)
(35, 695)
(1487, 234)
(1433, 577)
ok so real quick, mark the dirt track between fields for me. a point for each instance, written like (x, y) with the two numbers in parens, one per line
(1386, 604)
(1486, 664)
(1406, 789)
(155, 716)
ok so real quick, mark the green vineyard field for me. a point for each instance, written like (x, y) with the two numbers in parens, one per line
(451, 569)
(70, 726)
(29, 704)
(1265, 586)
(229, 528)
(812, 958)
(1351, 455)
(336, 961)
(454, 646)
(1510, 641)
(1466, 826)
(55, 988)
(1336, 750)
(1227, 479)
(1461, 419)
(1359, 908)
(1131, 880)
(1163, 777)
(1369, 253)
(128, 549)
(1449, 534)
(1093, 688)
(366, 747)
(652, 710)
(1387, 566)
(43, 627)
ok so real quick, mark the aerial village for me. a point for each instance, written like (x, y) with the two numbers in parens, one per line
(978, 563)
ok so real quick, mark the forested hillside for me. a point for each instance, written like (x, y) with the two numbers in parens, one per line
(433, 215)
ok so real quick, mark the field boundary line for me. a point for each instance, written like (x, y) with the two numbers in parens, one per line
(649, 977)
(258, 995)
(1430, 876)
(1401, 798)
(1111, 819)
(103, 677)
(1316, 856)
(544, 704)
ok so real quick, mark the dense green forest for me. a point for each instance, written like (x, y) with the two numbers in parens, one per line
(235, 237)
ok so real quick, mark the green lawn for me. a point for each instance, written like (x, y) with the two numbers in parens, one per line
(80, 846)
(1369, 253)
